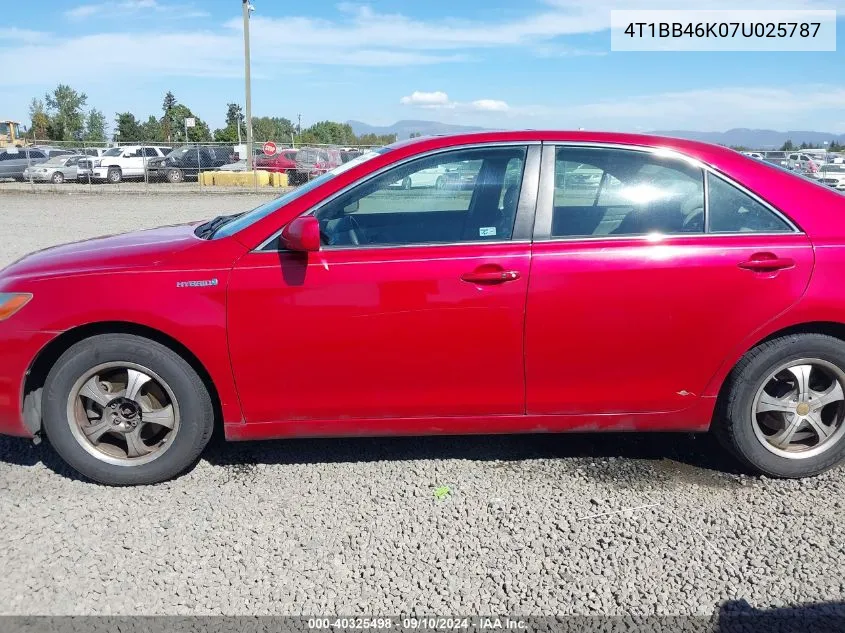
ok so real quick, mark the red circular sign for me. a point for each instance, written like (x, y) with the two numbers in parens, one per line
(269, 148)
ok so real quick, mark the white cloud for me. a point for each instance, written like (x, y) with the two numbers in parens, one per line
(425, 99)
(439, 100)
(489, 105)
(128, 7)
(26, 36)
(712, 109)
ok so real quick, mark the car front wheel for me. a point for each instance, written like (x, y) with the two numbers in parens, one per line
(175, 176)
(783, 412)
(115, 175)
(123, 410)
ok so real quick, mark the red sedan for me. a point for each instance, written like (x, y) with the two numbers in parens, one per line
(283, 161)
(579, 282)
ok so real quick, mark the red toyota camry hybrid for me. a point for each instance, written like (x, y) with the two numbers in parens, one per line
(500, 282)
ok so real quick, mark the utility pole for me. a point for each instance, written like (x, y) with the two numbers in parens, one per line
(247, 7)
(299, 124)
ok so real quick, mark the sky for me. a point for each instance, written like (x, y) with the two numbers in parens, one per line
(492, 63)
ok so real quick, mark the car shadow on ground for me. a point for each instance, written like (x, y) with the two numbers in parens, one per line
(738, 616)
(674, 455)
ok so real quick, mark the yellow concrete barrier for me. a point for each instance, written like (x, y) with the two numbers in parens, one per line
(242, 179)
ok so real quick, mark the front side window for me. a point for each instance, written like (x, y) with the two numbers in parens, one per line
(463, 195)
(734, 211)
(613, 192)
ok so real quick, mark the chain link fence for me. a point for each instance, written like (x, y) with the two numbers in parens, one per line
(154, 165)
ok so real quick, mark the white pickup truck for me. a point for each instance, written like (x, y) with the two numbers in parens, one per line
(128, 161)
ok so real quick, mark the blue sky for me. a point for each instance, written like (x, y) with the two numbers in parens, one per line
(495, 63)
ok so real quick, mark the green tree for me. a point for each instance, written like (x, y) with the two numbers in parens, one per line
(178, 114)
(787, 147)
(65, 108)
(279, 129)
(234, 115)
(331, 132)
(151, 130)
(166, 121)
(39, 119)
(228, 134)
(95, 127)
(376, 139)
(128, 130)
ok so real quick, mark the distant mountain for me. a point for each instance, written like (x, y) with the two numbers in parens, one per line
(756, 139)
(404, 129)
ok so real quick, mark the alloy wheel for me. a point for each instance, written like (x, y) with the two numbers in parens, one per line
(123, 413)
(799, 410)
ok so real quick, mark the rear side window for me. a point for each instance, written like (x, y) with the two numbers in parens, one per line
(734, 211)
(613, 192)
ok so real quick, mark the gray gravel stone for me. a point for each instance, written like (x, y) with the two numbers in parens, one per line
(353, 525)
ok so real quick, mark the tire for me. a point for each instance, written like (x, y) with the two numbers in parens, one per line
(191, 411)
(114, 175)
(175, 176)
(57, 178)
(406, 183)
(440, 183)
(738, 423)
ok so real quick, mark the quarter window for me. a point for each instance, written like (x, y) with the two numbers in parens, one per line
(733, 211)
(610, 192)
(458, 196)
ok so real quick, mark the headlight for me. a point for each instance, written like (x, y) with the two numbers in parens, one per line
(97, 163)
(11, 302)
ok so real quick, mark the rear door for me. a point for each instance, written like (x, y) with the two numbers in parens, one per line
(413, 308)
(638, 288)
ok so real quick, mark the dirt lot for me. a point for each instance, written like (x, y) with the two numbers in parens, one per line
(525, 525)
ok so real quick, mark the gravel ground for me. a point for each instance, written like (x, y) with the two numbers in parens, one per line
(569, 524)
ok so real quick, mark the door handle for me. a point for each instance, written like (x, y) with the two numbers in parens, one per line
(490, 276)
(766, 262)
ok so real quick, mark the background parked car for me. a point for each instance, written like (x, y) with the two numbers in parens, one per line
(315, 161)
(56, 170)
(129, 161)
(183, 163)
(776, 158)
(13, 161)
(832, 175)
(283, 162)
(801, 161)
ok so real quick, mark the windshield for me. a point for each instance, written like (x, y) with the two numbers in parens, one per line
(177, 154)
(251, 217)
(57, 160)
(114, 151)
(832, 168)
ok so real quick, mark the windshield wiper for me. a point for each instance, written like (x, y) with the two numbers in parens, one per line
(206, 231)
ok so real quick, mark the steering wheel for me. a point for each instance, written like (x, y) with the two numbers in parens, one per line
(346, 227)
(354, 229)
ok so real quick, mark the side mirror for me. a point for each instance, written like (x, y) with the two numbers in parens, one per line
(302, 234)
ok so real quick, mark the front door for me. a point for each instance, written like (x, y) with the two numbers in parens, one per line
(637, 295)
(413, 308)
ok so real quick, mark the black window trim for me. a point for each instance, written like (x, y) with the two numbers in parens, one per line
(525, 209)
(545, 199)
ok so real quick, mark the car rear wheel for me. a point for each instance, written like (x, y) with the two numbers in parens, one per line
(115, 175)
(783, 412)
(124, 410)
(175, 175)
(58, 178)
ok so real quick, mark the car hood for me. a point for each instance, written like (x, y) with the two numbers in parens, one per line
(136, 250)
